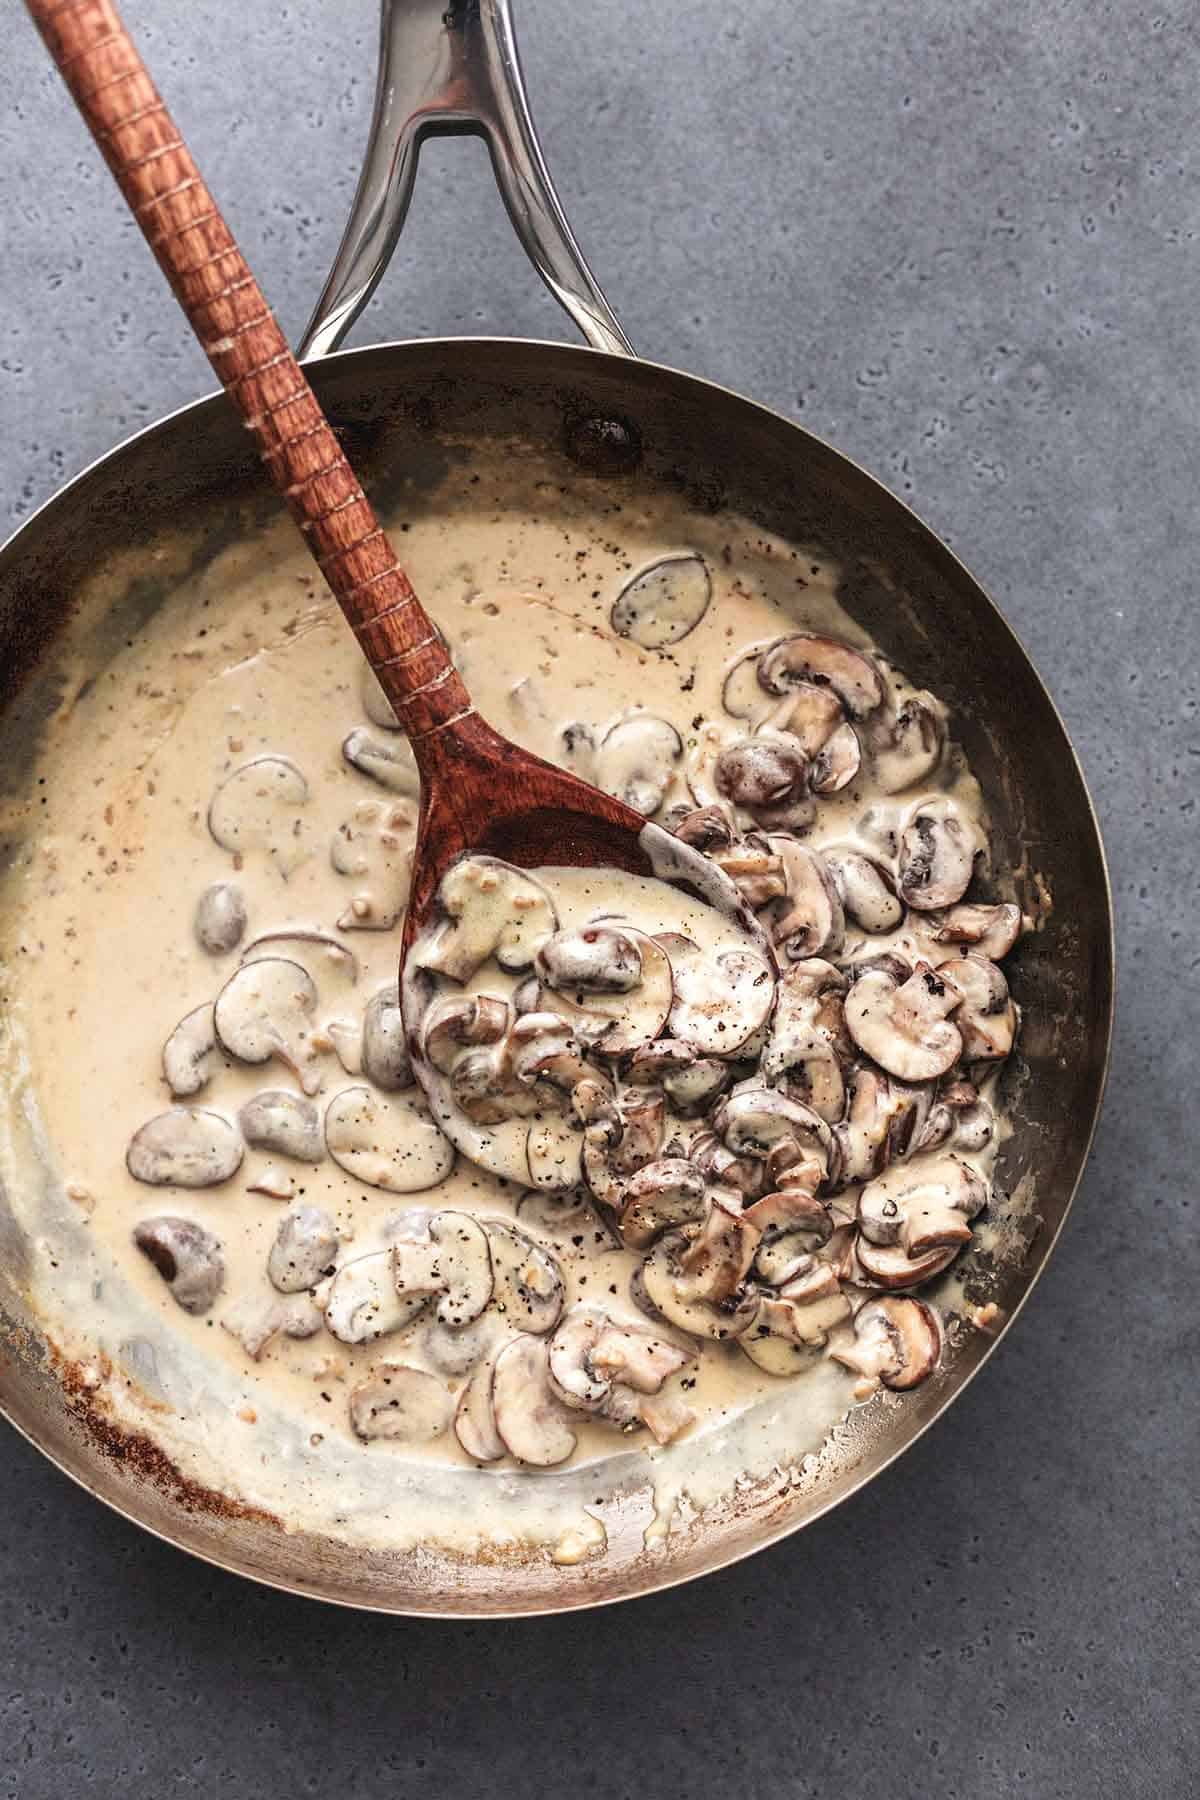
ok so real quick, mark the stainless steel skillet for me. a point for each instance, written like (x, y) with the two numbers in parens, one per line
(626, 427)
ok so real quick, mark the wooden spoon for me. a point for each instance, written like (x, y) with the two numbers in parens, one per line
(478, 790)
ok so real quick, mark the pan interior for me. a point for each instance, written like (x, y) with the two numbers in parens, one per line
(95, 568)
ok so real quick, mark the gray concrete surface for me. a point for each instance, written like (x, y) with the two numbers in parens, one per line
(961, 241)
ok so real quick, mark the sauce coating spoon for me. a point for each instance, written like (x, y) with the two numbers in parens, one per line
(479, 791)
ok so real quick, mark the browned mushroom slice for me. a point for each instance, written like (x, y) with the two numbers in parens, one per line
(636, 761)
(883, 1122)
(283, 1123)
(403, 1404)
(905, 1028)
(865, 889)
(530, 1420)
(391, 1144)
(599, 959)
(475, 1420)
(304, 1250)
(812, 715)
(794, 1224)
(825, 662)
(190, 1053)
(658, 1197)
(809, 920)
(188, 1258)
(459, 1021)
(837, 762)
(808, 1035)
(743, 695)
(612, 1020)
(185, 1147)
(889, 1266)
(491, 909)
(771, 1351)
(259, 807)
(690, 1082)
(362, 1303)
(707, 828)
(664, 1289)
(768, 776)
(220, 918)
(938, 848)
(571, 1377)
(460, 1268)
(909, 744)
(634, 1357)
(718, 1258)
(720, 997)
(721, 1168)
(990, 930)
(529, 1289)
(392, 765)
(663, 603)
(923, 1206)
(266, 1009)
(986, 1016)
(897, 1340)
(782, 1134)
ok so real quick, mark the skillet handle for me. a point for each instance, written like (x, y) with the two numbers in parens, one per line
(453, 69)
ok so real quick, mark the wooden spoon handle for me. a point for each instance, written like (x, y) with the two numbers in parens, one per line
(238, 333)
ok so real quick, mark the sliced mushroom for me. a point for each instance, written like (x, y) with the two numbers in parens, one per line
(607, 1020)
(391, 1144)
(707, 828)
(663, 603)
(255, 1322)
(455, 1262)
(190, 1053)
(690, 1082)
(634, 1357)
(924, 1206)
(825, 662)
(883, 1121)
(671, 1290)
(660, 1196)
(889, 1266)
(908, 745)
(491, 910)
(283, 1123)
(188, 1258)
(475, 1419)
(266, 1010)
(719, 1256)
(794, 1224)
(636, 761)
(220, 918)
(392, 765)
(315, 951)
(896, 1340)
(743, 695)
(600, 959)
(529, 1418)
(809, 921)
(721, 1168)
(800, 1317)
(772, 1352)
(864, 888)
(986, 1016)
(808, 1035)
(304, 1251)
(529, 1288)
(385, 1059)
(720, 997)
(990, 931)
(937, 855)
(401, 1403)
(259, 807)
(460, 1021)
(812, 715)
(374, 847)
(185, 1147)
(768, 776)
(837, 762)
(457, 1349)
(765, 1126)
(571, 1377)
(666, 1415)
(362, 1303)
(905, 1028)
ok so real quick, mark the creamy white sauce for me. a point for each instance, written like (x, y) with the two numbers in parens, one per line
(251, 658)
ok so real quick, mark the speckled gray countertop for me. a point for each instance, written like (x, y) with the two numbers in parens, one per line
(960, 240)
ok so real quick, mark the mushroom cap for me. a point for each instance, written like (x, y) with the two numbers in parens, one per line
(185, 1147)
(925, 1205)
(809, 919)
(284, 1123)
(896, 1338)
(401, 1403)
(188, 1258)
(826, 662)
(392, 765)
(615, 1023)
(865, 888)
(883, 1021)
(937, 855)
(266, 1009)
(837, 762)
(530, 1419)
(598, 958)
(719, 997)
(570, 1376)
(986, 1016)
(304, 1250)
(391, 1144)
(465, 1257)
(385, 1058)
(220, 918)
(760, 1122)
(889, 1266)
(189, 1053)
(663, 603)
(990, 931)
(764, 771)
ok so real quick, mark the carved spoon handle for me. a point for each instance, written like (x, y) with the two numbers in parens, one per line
(238, 333)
